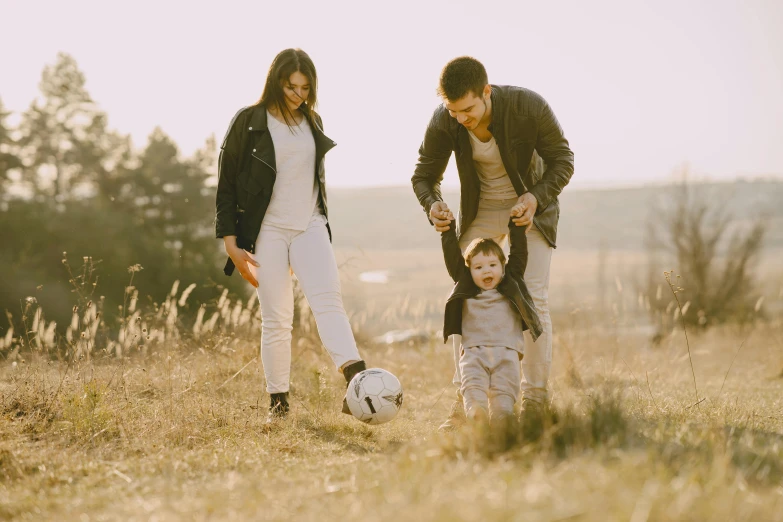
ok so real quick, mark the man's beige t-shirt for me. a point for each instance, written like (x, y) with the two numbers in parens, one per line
(495, 183)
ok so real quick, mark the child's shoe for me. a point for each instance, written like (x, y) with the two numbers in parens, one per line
(478, 416)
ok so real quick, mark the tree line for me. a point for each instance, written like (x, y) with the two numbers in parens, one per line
(75, 193)
(72, 188)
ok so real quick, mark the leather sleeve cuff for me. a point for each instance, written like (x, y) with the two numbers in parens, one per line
(428, 207)
(539, 199)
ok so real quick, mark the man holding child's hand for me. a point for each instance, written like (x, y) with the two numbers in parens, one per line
(513, 161)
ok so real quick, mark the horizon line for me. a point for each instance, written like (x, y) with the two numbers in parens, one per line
(586, 186)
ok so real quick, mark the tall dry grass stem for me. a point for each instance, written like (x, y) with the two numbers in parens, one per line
(675, 289)
(732, 363)
(240, 371)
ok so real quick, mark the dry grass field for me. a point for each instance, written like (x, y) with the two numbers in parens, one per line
(173, 429)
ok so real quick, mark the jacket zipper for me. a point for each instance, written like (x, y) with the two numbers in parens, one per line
(265, 163)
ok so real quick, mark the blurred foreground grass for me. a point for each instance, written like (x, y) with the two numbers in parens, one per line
(176, 432)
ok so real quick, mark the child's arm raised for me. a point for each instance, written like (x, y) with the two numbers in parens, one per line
(517, 258)
(452, 254)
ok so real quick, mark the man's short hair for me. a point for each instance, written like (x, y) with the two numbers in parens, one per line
(461, 76)
(484, 246)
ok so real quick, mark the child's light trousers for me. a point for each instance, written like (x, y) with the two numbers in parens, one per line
(490, 376)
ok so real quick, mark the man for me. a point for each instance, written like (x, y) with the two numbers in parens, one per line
(509, 149)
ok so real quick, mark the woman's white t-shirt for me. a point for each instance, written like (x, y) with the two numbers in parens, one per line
(295, 193)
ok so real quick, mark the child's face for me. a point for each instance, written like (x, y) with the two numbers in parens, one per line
(486, 271)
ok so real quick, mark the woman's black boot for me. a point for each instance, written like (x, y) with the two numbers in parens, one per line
(349, 372)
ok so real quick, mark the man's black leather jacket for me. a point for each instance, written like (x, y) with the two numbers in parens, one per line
(534, 150)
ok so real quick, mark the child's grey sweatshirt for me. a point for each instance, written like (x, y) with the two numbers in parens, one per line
(489, 319)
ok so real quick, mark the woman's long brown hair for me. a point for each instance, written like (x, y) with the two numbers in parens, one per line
(285, 64)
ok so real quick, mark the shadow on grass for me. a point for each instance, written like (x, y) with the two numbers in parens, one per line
(353, 438)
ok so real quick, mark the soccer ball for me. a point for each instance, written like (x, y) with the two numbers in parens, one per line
(374, 396)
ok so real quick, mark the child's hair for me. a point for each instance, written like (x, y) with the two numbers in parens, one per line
(486, 247)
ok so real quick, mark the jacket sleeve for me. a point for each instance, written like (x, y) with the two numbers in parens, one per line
(517, 257)
(228, 166)
(452, 254)
(434, 154)
(553, 148)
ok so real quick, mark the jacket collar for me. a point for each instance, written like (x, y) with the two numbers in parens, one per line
(259, 123)
(497, 110)
(258, 119)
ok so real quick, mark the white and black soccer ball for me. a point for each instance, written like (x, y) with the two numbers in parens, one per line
(374, 396)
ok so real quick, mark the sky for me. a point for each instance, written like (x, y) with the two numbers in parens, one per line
(640, 88)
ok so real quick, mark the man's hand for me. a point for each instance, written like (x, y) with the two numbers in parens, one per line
(441, 216)
(522, 213)
(241, 259)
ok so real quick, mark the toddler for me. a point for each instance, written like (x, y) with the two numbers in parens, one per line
(490, 307)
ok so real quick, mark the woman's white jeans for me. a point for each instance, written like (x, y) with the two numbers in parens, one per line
(311, 257)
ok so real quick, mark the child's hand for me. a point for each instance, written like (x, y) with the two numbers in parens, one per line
(518, 210)
(441, 216)
(448, 215)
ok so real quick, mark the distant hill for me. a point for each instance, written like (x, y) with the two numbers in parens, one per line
(391, 218)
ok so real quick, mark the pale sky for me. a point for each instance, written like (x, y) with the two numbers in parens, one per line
(639, 87)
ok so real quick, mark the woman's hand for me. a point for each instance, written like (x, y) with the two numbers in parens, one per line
(241, 259)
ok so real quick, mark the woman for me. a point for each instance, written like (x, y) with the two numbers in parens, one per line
(271, 202)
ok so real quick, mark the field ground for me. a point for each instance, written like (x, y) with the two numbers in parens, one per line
(175, 431)
(179, 434)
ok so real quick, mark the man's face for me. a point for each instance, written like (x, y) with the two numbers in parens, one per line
(486, 270)
(469, 110)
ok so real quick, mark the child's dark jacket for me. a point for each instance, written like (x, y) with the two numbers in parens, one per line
(512, 286)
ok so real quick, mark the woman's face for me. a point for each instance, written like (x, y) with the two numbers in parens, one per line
(296, 90)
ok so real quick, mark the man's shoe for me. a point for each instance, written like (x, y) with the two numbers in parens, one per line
(349, 372)
(456, 418)
(534, 418)
(530, 407)
(278, 407)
